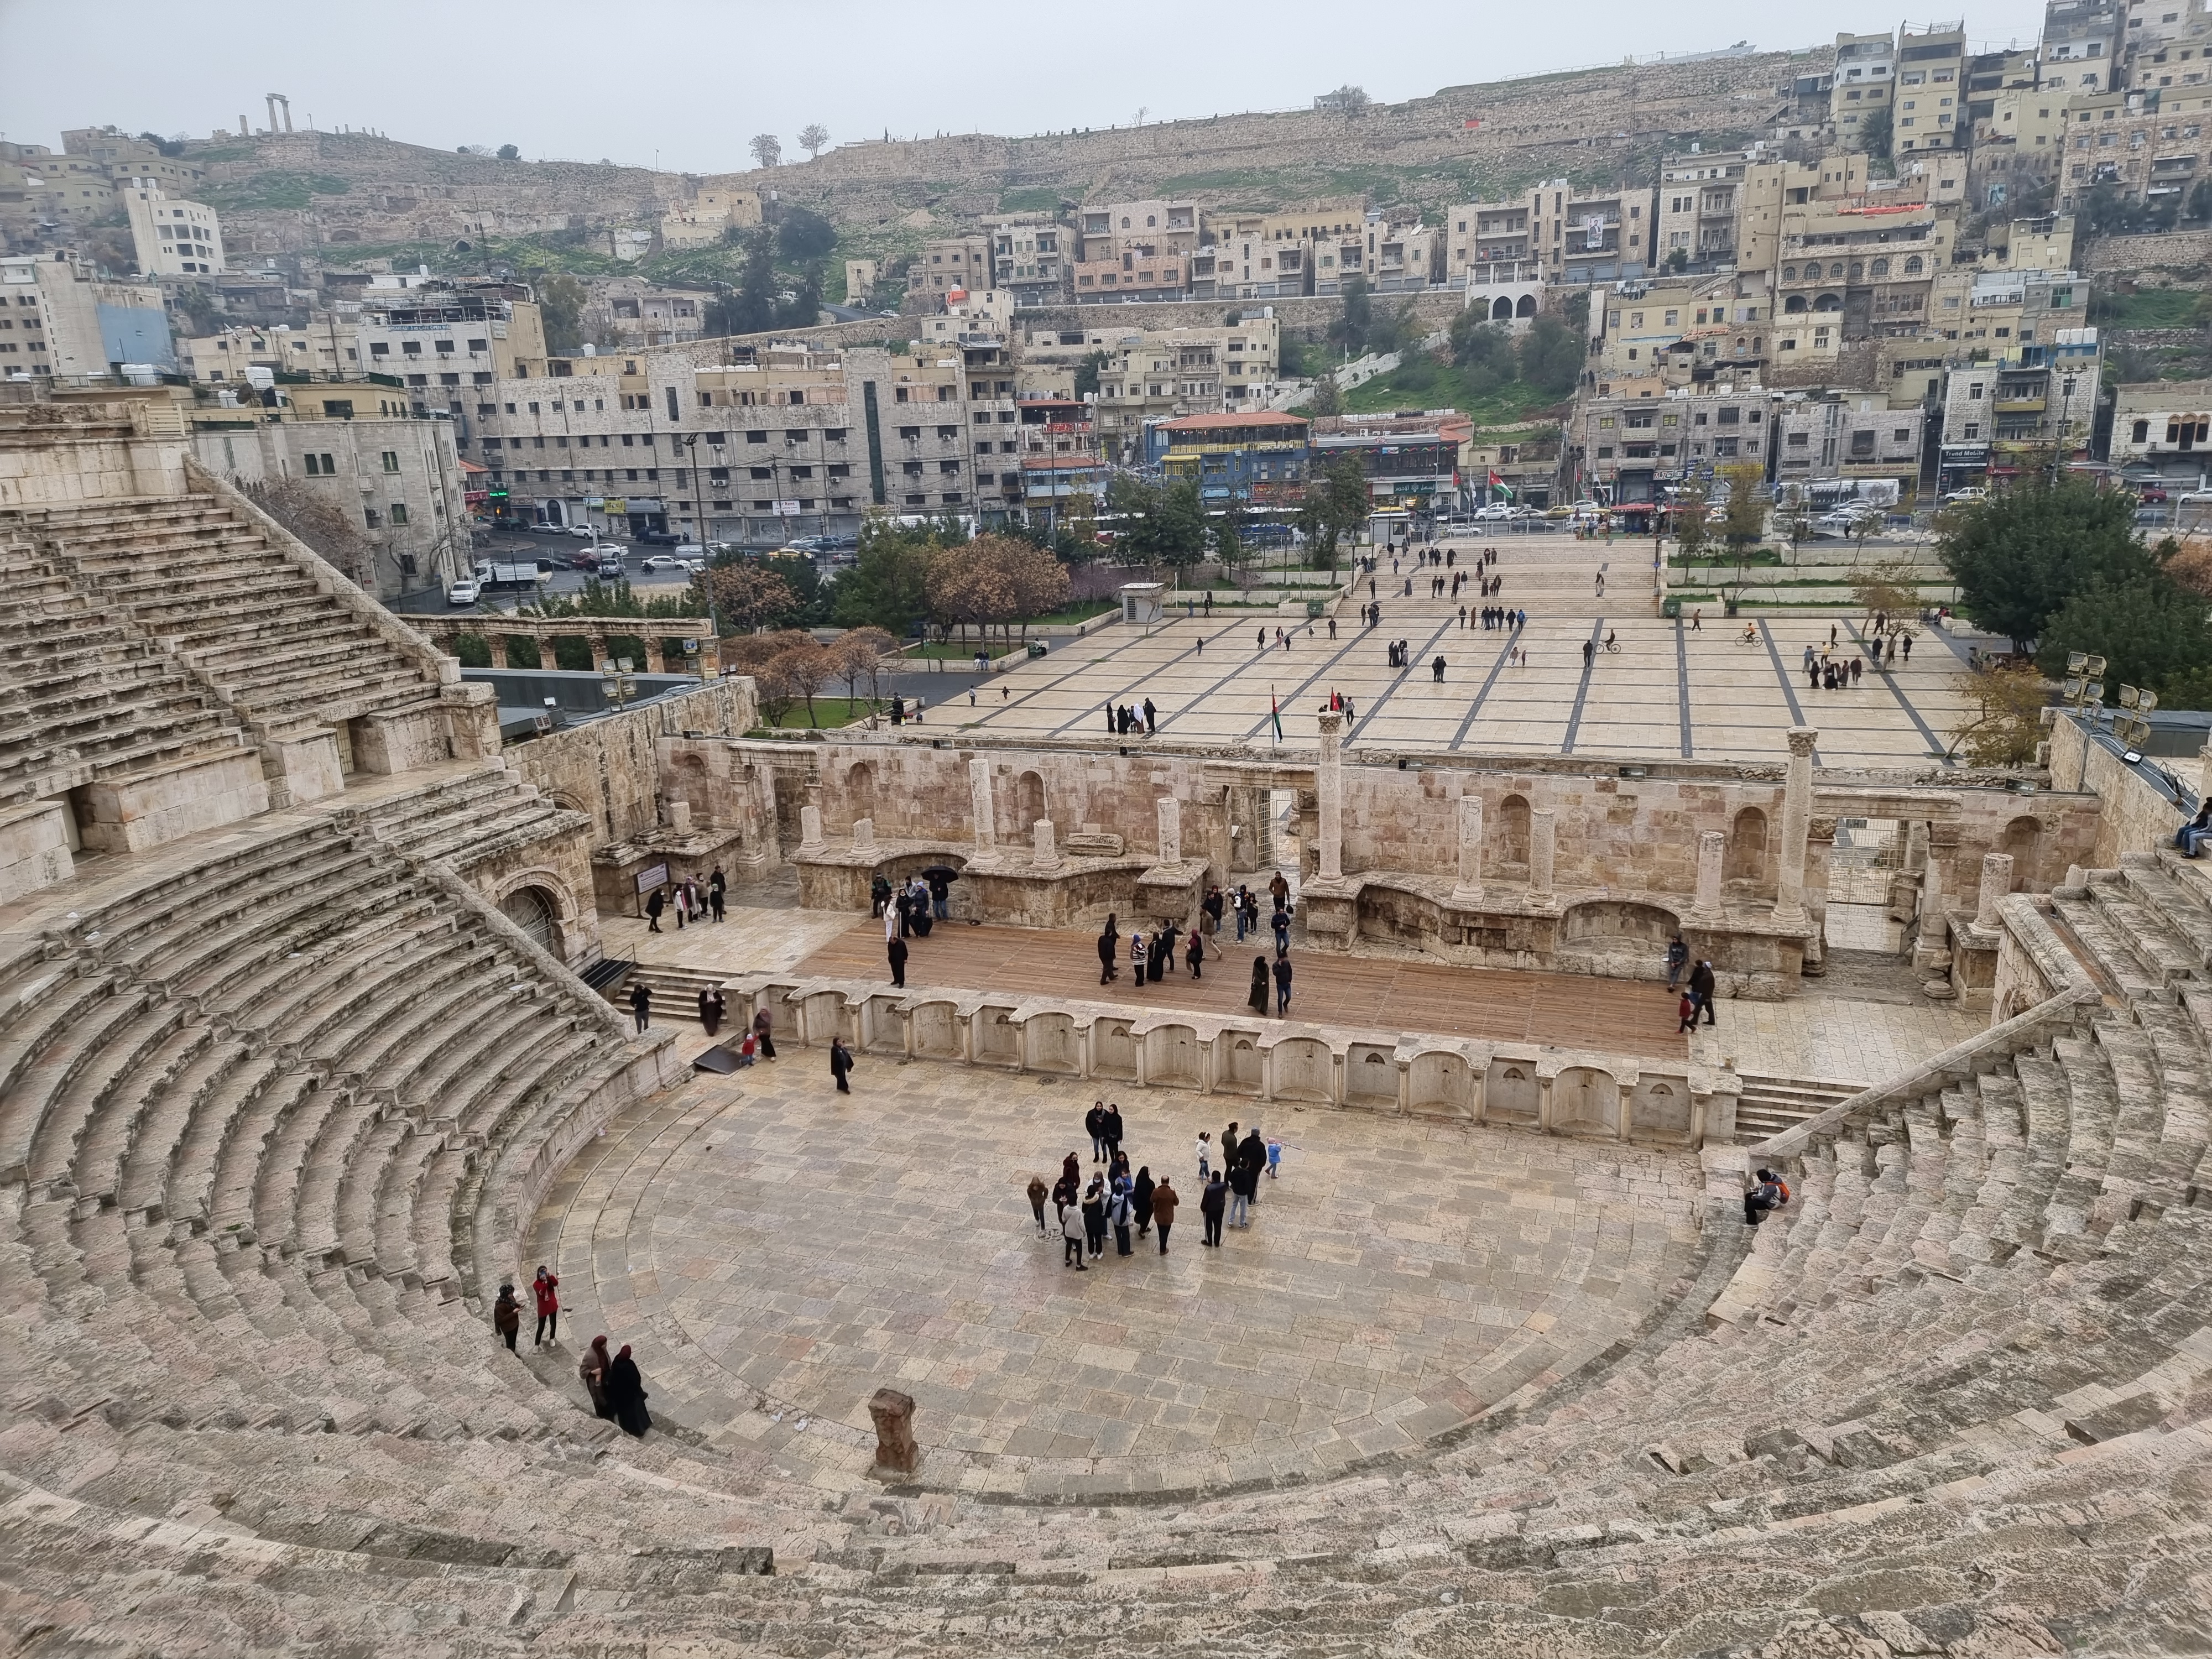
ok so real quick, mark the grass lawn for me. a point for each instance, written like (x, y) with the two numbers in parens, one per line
(828, 712)
(2151, 307)
(1426, 383)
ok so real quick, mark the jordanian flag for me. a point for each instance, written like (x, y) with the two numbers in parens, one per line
(1275, 708)
(1500, 486)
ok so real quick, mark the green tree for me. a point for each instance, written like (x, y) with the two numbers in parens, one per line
(888, 587)
(2149, 632)
(2019, 555)
(1231, 551)
(509, 153)
(1874, 133)
(202, 315)
(2103, 210)
(1691, 531)
(1328, 397)
(1550, 356)
(1086, 371)
(1678, 260)
(812, 137)
(1349, 330)
(560, 302)
(1336, 504)
(1485, 350)
(803, 234)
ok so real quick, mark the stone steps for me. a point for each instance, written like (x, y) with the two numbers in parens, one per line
(1770, 1104)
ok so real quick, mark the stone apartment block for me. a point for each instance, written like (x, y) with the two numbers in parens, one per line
(1774, 188)
(2081, 44)
(1407, 259)
(951, 262)
(630, 313)
(788, 439)
(1632, 448)
(60, 320)
(1159, 374)
(2153, 25)
(399, 479)
(2152, 144)
(1929, 96)
(445, 343)
(1576, 236)
(1867, 260)
(1846, 436)
(708, 219)
(323, 348)
(2008, 405)
(2019, 145)
(1678, 330)
(2163, 428)
(1030, 260)
(1701, 200)
(172, 237)
(1865, 78)
(1309, 249)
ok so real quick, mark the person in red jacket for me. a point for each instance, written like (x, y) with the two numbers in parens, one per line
(546, 1288)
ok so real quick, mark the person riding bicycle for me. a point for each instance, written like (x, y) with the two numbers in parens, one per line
(1611, 643)
(1750, 633)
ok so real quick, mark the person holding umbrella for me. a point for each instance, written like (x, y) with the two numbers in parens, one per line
(940, 878)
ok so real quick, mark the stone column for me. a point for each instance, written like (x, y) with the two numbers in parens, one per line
(1469, 889)
(1171, 820)
(1328, 790)
(1997, 881)
(810, 828)
(864, 835)
(1543, 833)
(895, 1451)
(1712, 849)
(980, 806)
(1796, 824)
(1046, 852)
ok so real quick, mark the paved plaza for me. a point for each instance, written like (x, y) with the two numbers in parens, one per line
(1670, 691)
(777, 1252)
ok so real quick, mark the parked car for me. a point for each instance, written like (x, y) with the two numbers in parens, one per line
(2151, 494)
(660, 561)
(688, 551)
(658, 539)
(809, 544)
(586, 559)
(1493, 512)
(584, 532)
(467, 591)
(1971, 493)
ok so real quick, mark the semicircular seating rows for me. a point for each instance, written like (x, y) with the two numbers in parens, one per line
(277, 1103)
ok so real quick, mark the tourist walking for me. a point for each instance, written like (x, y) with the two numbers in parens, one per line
(1110, 1128)
(764, 1033)
(1073, 1230)
(1281, 923)
(1163, 950)
(1702, 984)
(591, 1369)
(1685, 1012)
(1194, 954)
(546, 1291)
(1108, 945)
(626, 1394)
(1257, 1001)
(1038, 1191)
(1240, 1192)
(1163, 1210)
(506, 1317)
(653, 906)
(711, 1004)
(898, 952)
(840, 1064)
(1151, 719)
(879, 894)
(1282, 986)
(1140, 1198)
(1210, 1205)
(640, 1005)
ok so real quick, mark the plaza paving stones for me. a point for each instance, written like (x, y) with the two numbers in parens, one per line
(777, 1252)
(1212, 678)
(1388, 994)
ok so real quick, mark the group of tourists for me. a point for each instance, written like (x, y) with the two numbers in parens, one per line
(611, 1380)
(694, 900)
(1151, 954)
(1497, 615)
(1121, 720)
(1134, 1206)
(910, 910)
(1697, 996)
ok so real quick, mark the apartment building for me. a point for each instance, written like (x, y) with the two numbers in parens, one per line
(1662, 333)
(171, 237)
(1135, 271)
(2152, 145)
(1865, 78)
(1772, 188)
(1835, 435)
(1029, 260)
(323, 350)
(788, 439)
(1060, 462)
(1633, 448)
(1160, 373)
(2081, 44)
(2177, 56)
(437, 338)
(400, 479)
(1869, 261)
(2018, 145)
(2163, 429)
(1404, 259)
(1929, 99)
(631, 313)
(2018, 403)
(1411, 462)
(1702, 196)
(1576, 236)
(59, 320)
(943, 265)
(1256, 456)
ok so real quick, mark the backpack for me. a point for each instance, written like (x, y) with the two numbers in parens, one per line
(1782, 1192)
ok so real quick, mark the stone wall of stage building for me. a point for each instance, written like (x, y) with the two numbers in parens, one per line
(726, 786)
(2044, 829)
(610, 769)
(60, 454)
(2137, 815)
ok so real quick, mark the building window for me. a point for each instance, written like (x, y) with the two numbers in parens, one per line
(399, 513)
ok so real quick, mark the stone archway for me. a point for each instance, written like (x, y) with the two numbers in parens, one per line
(1513, 831)
(539, 902)
(1501, 310)
(2023, 838)
(860, 794)
(1029, 804)
(533, 910)
(1747, 848)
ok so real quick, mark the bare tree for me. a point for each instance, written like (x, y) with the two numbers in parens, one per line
(860, 654)
(320, 522)
(812, 137)
(766, 149)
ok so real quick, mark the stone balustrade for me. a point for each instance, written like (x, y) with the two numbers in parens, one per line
(1529, 1086)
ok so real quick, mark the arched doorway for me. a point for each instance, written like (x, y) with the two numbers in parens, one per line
(2022, 837)
(1028, 804)
(1747, 849)
(1501, 310)
(860, 794)
(1513, 832)
(1526, 307)
(531, 909)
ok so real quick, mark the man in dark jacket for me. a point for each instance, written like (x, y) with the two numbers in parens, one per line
(641, 1004)
(841, 1063)
(1678, 958)
(1110, 1130)
(1702, 984)
(1282, 986)
(1163, 1210)
(896, 950)
(1211, 1206)
(1094, 1124)
(1094, 1216)
(653, 907)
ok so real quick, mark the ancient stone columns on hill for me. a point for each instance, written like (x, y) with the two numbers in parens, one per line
(1328, 788)
(1796, 825)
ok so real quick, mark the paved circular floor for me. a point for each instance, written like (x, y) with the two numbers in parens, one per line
(778, 1252)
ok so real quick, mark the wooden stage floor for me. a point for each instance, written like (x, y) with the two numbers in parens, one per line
(1571, 1010)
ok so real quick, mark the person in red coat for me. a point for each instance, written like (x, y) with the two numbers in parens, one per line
(546, 1287)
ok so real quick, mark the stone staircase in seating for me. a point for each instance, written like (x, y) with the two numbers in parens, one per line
(1770, 1104)
(259, 625)
(90, 699)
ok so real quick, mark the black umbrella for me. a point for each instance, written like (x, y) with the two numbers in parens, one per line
(940, 872)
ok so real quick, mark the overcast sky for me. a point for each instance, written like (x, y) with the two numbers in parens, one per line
(687, 81)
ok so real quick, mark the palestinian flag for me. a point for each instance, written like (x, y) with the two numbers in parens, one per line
(1275, 708)
(1501, 487)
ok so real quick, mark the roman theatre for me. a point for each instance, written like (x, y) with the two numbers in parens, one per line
(316, 1028)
